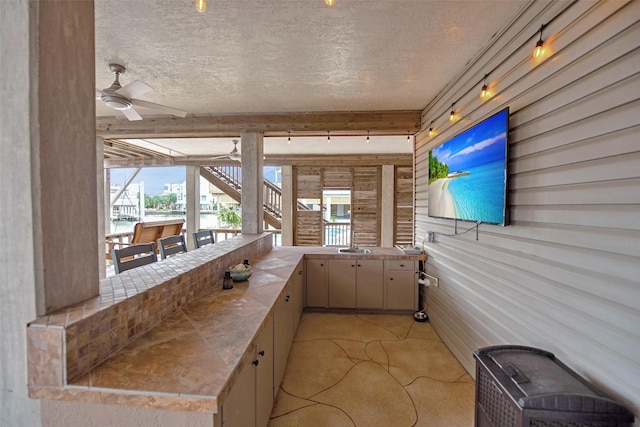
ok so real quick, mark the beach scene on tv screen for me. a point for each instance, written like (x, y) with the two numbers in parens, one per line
(467, 173)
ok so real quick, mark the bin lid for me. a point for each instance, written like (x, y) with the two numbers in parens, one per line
(537, 373)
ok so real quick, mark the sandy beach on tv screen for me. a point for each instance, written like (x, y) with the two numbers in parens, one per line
(440, 200)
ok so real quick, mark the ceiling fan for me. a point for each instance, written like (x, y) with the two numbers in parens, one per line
(233, 155)
(121, 98)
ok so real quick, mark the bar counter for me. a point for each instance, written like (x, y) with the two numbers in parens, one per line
(186, 356)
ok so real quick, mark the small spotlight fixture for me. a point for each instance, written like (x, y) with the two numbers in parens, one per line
(452, 114)
(408, 137)
(539, 50)
(432, 132)
(328, 138)
(484, 93)
(201, 5)
(289, 139)
(330, 2)
(367, 137)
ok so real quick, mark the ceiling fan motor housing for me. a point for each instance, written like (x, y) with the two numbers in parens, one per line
(115, 101)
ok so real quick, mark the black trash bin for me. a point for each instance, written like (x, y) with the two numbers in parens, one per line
(524, 386)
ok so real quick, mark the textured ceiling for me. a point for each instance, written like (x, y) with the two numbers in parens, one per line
(259, 56)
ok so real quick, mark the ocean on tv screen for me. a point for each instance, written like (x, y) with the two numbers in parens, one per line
(467, 174)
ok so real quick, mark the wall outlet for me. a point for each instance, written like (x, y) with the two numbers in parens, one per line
(430, 236)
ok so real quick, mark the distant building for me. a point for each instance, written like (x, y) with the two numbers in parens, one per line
(211, 197)
(129, 205)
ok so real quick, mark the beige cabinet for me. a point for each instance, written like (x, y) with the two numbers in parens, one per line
(356, 283)
(369, 284)
(342, 283)
(250, 398)
(401, 285)
(286, 316)
(239, 406)
(263, 363)
(298, 295)
(317, 285)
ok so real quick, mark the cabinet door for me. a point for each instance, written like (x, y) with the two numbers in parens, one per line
(369, 284)
(298, 296)
(342, 283)
(282, 335)
(317, 289)
(401, 290)
(239, 407)
(263, 363)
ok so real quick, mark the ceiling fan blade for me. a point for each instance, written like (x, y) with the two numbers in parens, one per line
(135, 88)
(98, 94)
(158, 107)
(225, 156)
(131, 114)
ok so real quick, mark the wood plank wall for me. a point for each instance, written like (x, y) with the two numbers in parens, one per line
(403, 226)
(365, 205)
(307, 185)
(565, 274)
(365, 185)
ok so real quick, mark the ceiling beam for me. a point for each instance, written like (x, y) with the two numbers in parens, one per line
(342, 160)
(396, 122)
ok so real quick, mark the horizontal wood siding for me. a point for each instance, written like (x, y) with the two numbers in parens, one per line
(365, 206)
(337, 177)
(403, 233)
(565, 274)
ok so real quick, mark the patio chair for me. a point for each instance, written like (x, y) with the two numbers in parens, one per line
(133, 256)
(202, 238)
(171, 245)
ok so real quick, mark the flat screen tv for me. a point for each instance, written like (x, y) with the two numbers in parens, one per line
(468, 173)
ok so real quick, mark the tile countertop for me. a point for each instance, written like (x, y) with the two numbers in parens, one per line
(188, 361)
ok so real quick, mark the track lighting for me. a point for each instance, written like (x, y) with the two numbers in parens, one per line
(201, 5)
(539, 50)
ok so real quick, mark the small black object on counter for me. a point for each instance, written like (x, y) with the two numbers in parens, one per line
(227, 282)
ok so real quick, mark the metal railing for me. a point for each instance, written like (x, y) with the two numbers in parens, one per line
(337, 233)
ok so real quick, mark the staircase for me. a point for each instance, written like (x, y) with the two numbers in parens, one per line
(228, 179)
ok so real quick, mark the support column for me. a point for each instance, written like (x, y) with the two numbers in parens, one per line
(252, 182)
(193, 204)
(103, 217)
(287, 205)
(47, 175)
(387, 212)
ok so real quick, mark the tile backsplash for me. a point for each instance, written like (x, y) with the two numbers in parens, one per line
(67, 344)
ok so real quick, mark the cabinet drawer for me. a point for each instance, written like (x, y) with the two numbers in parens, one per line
(399, 264)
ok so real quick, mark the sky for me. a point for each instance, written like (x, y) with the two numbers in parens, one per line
(156, 177)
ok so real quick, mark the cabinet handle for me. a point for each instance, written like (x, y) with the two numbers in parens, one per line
(255, 362)
(300, 273)
(352, 265)
(401, 265)
(286, 299)
(261, 353)
(359, 265)
(321, 265)
(390, 278)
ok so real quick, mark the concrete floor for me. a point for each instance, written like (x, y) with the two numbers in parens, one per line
(371, 370)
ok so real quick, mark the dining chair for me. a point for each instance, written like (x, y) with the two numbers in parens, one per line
(133, 256)
(171, 245)
(202, 238)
